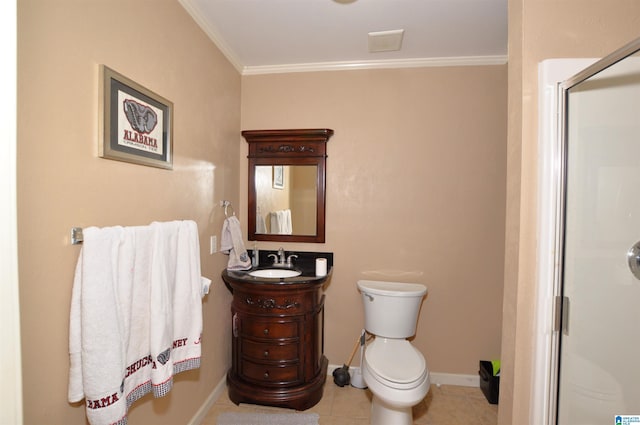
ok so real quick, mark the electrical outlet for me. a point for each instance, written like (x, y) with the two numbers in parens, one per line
(213, 244)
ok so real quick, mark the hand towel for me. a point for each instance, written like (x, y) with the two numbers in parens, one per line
(231, 244)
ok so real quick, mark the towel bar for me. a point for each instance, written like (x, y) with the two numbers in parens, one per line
(76, 236)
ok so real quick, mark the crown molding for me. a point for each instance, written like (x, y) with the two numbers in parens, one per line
(221, 44)
(379, 64)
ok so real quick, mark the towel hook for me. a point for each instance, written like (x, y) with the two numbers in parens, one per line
(226, 204)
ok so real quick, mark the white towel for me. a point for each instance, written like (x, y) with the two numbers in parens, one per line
(163, 275)
(287, 228)
(261, 225)
(96, 328)
(136, 315)
(231, 244)
(181, 302)
(281, 222)
(275, 223)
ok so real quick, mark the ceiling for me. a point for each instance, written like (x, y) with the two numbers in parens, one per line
(267, 36)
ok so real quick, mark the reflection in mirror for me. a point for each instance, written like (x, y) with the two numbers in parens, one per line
(286, 199)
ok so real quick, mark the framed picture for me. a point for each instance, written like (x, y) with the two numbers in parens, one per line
(278, 176)
(136, 124)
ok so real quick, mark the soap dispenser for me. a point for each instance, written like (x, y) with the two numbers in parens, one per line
(255, 261)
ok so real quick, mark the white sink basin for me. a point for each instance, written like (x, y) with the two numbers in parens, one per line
(275, 273)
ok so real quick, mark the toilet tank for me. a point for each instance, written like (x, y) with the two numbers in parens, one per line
(391, 308)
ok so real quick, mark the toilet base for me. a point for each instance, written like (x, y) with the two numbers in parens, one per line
(383, 414)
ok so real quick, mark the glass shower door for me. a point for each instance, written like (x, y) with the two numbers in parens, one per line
(599, 360)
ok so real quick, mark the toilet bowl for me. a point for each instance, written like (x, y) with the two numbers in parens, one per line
(393, 369)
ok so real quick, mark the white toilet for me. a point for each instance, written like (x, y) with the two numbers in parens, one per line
(394, 370)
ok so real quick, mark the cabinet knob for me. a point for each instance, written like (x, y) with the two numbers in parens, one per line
(266, 375)
(266, 353)
(266, 331)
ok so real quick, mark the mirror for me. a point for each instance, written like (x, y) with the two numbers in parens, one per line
(286, 193)
(286, 199)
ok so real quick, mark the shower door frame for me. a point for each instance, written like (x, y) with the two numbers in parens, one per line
(556, 78)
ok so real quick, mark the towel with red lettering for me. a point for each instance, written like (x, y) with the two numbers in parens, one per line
(176, 307)
(136, 315)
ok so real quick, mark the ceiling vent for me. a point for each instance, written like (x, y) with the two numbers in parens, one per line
(385, 41)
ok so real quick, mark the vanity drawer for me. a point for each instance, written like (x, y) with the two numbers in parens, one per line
(270, 352)
(270, 374)
(270, 330)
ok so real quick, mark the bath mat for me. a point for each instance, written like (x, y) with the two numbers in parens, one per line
(232, 418)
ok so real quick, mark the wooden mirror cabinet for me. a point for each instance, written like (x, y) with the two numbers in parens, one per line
(287, 172)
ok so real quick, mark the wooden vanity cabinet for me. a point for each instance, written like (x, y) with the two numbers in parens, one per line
(277, 347)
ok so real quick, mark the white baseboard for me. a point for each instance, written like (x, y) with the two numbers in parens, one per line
(455, 379)
(208, 403)
(435, 377)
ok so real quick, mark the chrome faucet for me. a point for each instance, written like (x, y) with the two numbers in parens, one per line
(281, 260)
(281, 256)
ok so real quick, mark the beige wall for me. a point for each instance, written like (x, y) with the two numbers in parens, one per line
(62, 183)
(540, 30)
(415, 192)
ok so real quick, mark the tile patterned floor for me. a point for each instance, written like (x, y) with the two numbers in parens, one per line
(447, 405)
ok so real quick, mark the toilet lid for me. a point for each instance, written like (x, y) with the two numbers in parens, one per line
(395, 360)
